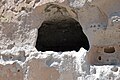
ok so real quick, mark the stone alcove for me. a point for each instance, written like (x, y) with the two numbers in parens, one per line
(58, 33)
(61, 35)
(104, 55)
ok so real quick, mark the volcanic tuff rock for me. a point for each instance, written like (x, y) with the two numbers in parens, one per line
(19, 24)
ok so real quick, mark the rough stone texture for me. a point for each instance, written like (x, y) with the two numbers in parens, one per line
(38, 70)
(19, 23)
(11, 72)
(53, 66)
(34, 65)
(101, 57)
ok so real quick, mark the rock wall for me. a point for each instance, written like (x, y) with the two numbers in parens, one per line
(19, 23)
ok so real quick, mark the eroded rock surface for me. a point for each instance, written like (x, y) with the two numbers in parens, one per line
(19, 24)
(11, 72)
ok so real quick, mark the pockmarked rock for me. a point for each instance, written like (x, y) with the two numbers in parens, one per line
(25, 23)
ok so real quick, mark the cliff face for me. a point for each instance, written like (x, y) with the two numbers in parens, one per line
(96, 21)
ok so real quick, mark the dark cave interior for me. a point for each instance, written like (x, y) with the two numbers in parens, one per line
(61, 35)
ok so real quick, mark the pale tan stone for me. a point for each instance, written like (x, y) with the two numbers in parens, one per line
(100, 55)
(19, 21)
(11, 72)
(38, 70)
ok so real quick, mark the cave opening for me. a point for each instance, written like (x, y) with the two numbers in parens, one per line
(61, 35)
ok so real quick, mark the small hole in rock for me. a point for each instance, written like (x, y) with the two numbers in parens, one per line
(91, 26)
(15, 1)
(94, 26)
(36, 1)
(98, 25)
(11, 57)
(23, 8)
(28, 1)
(99, 58)
(18, 70)
(3, 2)
(117, 20)
(107, 60)
(109, 50)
